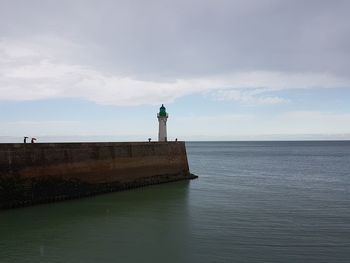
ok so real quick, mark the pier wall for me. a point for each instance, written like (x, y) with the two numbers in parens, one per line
(45, 172)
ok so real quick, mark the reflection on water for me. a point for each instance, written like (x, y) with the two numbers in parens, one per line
(135, 226)
(270, 201)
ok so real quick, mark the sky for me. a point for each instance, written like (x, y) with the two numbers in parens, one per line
(225, 69)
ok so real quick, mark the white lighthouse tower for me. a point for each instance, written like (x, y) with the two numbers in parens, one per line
(162, 119)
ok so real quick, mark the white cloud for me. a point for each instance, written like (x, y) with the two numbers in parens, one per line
(288, 125)
(39, 128)
(46, 68)
(248, 97)
(303, 122)
(300, 124)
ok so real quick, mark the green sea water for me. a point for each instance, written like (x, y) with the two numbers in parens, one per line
(253, 202)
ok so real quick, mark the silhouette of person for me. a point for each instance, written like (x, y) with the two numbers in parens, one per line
(33, 140)
(25, 139)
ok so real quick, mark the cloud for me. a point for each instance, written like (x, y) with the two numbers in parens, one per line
(40, 70)
(301, 124)
(226, 126)
(41, 128)
(248, 97)
(129, 52)
(191, 38)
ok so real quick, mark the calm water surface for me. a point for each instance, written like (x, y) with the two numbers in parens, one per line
(253, 202)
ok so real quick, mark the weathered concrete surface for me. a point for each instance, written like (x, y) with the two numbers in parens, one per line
(43, 172)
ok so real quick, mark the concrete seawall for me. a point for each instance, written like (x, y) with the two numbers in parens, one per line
(45, 172)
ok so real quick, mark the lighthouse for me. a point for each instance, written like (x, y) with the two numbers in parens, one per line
(162, 119)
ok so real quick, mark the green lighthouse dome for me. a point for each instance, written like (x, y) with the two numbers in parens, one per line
(162, 111)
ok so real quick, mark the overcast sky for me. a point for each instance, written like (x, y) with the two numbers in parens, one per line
(235, 69)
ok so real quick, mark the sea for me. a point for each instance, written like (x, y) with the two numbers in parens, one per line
(253, 202)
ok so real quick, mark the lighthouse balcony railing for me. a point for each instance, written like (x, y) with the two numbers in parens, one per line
(159, 116)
